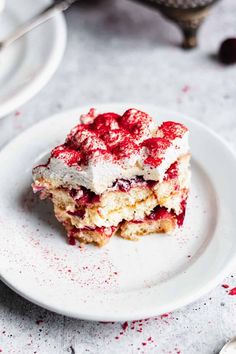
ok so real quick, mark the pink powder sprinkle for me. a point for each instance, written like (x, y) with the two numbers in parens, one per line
(232, 291)
(116, 337)
(17, 113)
(186, 88)
(144, 343)
(225, 286)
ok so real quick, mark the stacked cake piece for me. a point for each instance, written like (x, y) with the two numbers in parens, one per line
(118, 173)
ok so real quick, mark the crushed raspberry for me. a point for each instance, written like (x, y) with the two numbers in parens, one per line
(125, 149)
(76, 194)
(70, 157)
(172, 172)
(85, 196)
(181, 216)
(153, 161)
(112, 137)
(115, 137)
(92, 143)
(136, 123)
(123, 185)
(71, 240)
(151, 184)
(172, 130)
(156, 148)
(89, 117)
(158, 145)
(79, 213)
(160, 213)
(96, 155)
(78, 134)
(105, 122)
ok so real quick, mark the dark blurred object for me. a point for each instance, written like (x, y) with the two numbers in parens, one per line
(227, 52)
(187, 14)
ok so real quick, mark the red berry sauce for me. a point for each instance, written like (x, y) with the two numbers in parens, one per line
(71, 240)
(108, 231)
(181, 216)
(160, 213)
(79, 213)
(84, 196)
(172, 172)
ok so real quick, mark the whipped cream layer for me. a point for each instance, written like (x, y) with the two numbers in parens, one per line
(106, 147)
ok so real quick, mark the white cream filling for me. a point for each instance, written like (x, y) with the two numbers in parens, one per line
(97, 177)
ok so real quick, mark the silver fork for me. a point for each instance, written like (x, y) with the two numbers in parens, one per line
(35, 21)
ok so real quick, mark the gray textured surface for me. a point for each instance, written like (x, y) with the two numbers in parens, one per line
(120, 51)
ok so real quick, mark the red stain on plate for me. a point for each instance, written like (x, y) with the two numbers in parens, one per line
(186, 88)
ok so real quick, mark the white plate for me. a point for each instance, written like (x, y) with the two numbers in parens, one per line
(28, 64)
(124, 280)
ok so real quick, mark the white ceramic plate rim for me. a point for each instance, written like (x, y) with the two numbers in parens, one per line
(142, 313)
(43, 75)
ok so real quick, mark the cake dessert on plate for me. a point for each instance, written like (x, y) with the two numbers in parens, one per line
(121, 174)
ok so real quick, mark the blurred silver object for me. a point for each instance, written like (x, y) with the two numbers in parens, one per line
(187, 14)
(229, 347)
(37, 20)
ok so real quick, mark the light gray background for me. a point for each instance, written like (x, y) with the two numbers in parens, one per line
(120, 51)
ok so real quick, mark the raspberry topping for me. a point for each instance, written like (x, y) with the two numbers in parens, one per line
(89, 117)
(172, 130)
(70, 157)
(125, 149)
(156, 148)
(137, 123)
(105, 122)
(112, 137)
(92, 143)
(81, 133)
(115, 137)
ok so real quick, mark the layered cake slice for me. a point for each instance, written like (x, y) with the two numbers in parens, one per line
(117, 173)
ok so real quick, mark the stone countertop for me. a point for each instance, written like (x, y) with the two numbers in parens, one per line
(120, 51)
